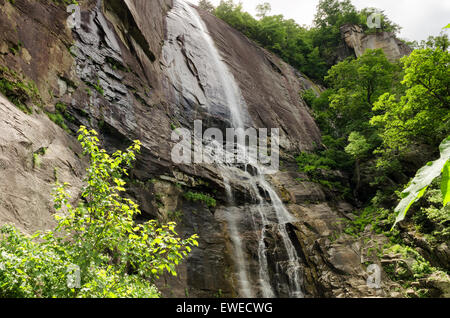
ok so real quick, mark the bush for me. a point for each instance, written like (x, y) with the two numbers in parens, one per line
(379, 219)
(433, 217)
(309, 96)
(98, 241)
(205, 198)
(419, 266)
(18, 90)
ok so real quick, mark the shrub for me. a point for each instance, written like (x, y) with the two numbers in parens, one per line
(205, 198)
(18, 90)
(99, 240)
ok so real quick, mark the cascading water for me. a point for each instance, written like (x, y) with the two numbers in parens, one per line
(197, 72)
(238, 250)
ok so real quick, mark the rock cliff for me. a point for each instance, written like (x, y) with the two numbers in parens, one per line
(356, 39)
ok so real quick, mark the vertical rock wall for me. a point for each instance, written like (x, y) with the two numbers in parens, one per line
(356, 39)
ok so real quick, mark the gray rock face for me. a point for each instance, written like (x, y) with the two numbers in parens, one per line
(33, 153)
(355, 38)
(196, 76)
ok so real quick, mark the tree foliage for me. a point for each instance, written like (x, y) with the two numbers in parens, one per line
(357, 145)
(335, 13)
(433, 42)
(114, 255)
(206, 5)
(355, 85)
(424, 178)
(389, 111)
(422, 113)
(386, 25)
(263, 9)
(311, 50)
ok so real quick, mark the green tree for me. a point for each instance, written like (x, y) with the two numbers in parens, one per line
(423, 179)
(326, 34)
(334, 13)
(206, 5)
(357, 146)
(233, 14)
(115, 256)
(422, 114)
(386, 24)
(434, 42)
(343, 113)
(263, 9)
(356, 85)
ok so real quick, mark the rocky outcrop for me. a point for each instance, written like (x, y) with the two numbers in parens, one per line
(356, 39)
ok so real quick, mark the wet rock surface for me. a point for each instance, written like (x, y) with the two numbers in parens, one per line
(269, 86)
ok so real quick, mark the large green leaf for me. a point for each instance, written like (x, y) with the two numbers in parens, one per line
(445, 183)
(447, 27)
(422, 180)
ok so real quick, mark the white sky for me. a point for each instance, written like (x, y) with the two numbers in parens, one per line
(418, 18)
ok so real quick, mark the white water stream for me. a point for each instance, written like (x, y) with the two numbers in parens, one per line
(218, 84)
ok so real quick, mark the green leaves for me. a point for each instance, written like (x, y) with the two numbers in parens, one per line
(99, 237)
(423, 179)
(445, 183)
(284, 37)
(420, 114)
(358, 146)
(205, 198)
(355, 85)
(206, 5)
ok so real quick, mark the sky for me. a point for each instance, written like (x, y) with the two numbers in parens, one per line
(418, 18)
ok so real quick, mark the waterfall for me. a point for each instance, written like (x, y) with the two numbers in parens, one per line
(245, 288)
(197, 72)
